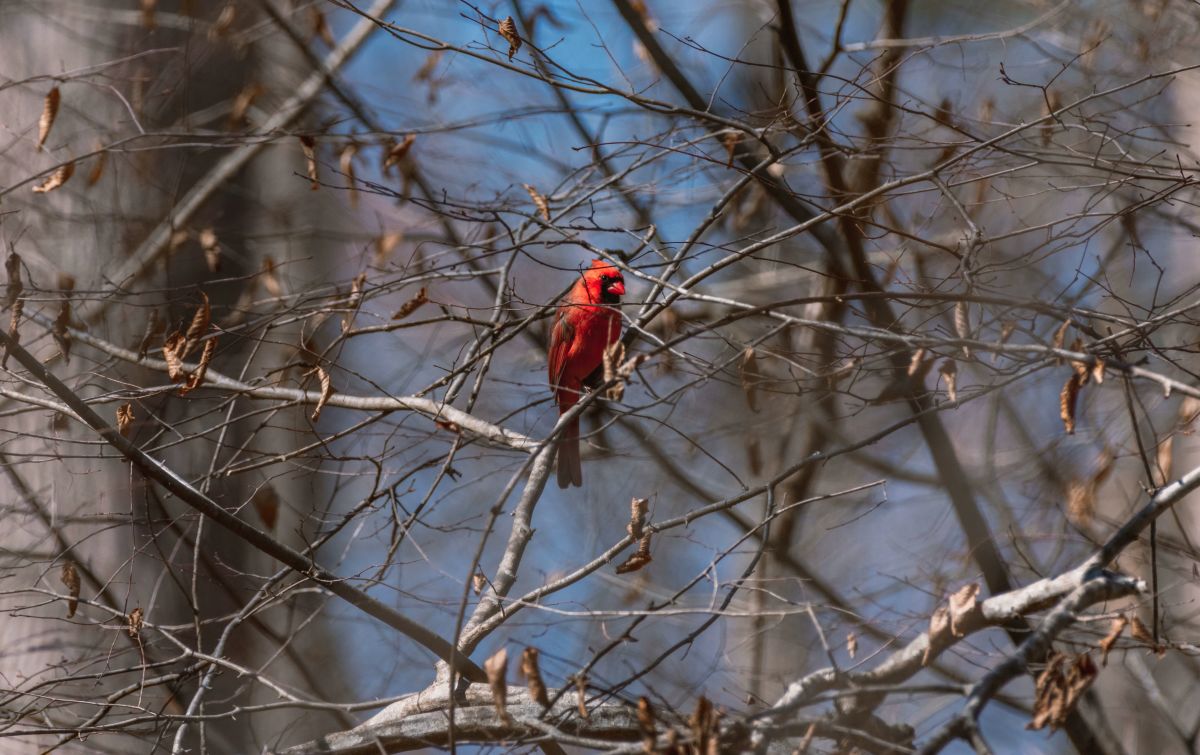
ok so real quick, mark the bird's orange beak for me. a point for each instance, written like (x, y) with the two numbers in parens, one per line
(618, 288)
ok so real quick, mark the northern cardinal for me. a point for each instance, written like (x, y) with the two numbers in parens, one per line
(585, 324)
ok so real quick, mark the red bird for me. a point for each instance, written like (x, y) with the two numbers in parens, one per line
(585, 324)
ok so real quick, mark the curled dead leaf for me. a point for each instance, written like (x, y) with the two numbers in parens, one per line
(533, 677)
(1110, 639)
(539, 201)
(99, 162)
(56, 179)
(242, 103)
(308, 145)
(173, 355)
(1060, 335)
(49, 114)
(397, 152)
(212, 249)
(346, 164)
(266, 504)
(731, 140)
(748, 372)
(385, 244)
(270, 278)
(580, 680)
(318, 26)
(639, 559)
(326, 392)
(410, 306)
(851, 644)
(198, 326)
(1059, 687)
(70, 579)
(12, 266)
(1067, 400)
(496, 669)
(962, 325)
(508, 30)
(195, 379)
(61, 335)
(135, 621)
(124, 418)
(949, 373)
(645, 718)
(637, 517)
(478, 582)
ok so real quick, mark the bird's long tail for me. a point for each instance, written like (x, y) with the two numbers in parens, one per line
(570, 471)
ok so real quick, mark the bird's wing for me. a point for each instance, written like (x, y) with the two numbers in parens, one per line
(561, 339)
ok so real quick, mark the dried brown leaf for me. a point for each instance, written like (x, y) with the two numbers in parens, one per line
(949, 373)
(508, 30)
(748, 373)
(397, 152)
(478, 582)
(496, 669)
(730, 141)
(195, 379)
(61, 335)
(125, 418)
(354, 300)
(270, 278)
(915, 362)
(539, 201)
(1110, 639)
(639, 559)
(962, 325)
(1081, 502)
(1067, 400)
(851, 644)
(154, 328)
(581, 696)
(1060, 335)
(1164, 458)
(346, 164)
(1142, 634)
(326, 392)
(266, 504)
(412, 304)
(242, 103)
(425, 72)
(173, 355)
(49, 113)
(223, 23)
(70, 579)
(212, 249)
(12, 266)
(308, 145)
(98, 164)
(318, 26)
(134, 622)
(533, 677)
(637, 517)
(1059, 688)
(1098, 370)
(198, 327)
(385, 244)
(148, 7)
(645, 718)
(56, 179)
(14, 325)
